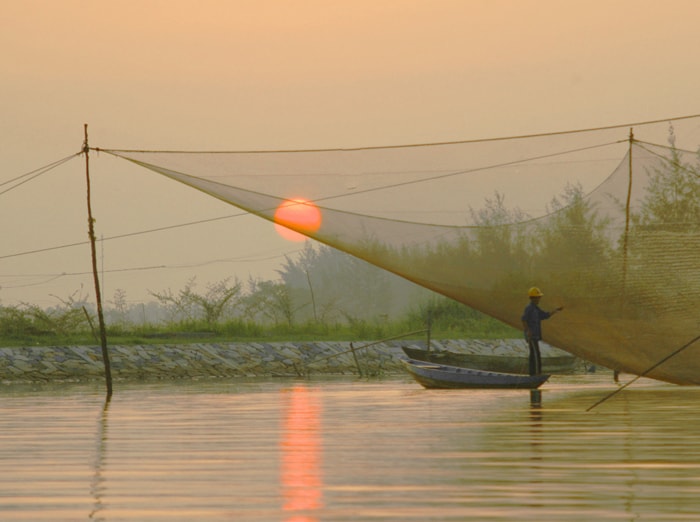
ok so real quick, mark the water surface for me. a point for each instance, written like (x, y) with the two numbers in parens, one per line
(348, 450)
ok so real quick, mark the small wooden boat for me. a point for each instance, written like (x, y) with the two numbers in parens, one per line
(431, 375)
(560, 364)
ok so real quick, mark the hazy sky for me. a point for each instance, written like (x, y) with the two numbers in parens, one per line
(238, 74)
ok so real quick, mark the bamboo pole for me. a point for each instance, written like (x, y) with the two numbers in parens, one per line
(627, 224)
(646, 372)
(354, 356)
(98, 295)
(429, 326)
(353, 349)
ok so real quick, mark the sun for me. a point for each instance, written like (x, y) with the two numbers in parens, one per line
(296, 217)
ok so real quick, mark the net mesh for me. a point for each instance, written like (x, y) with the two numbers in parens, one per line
(605, 223)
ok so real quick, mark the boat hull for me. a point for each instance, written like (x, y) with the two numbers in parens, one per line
(431, 375)
(565, 364)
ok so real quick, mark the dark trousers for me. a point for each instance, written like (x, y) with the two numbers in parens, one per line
(535, 359)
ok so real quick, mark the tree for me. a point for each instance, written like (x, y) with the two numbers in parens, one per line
(69, 317)
(672, 200)
(209, 306)
(501, 247)
(120, 312)
(573, 235)
(330, 285)
(269, 301)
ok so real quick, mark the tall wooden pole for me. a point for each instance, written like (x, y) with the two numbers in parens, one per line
(98, 295)
(625, 241)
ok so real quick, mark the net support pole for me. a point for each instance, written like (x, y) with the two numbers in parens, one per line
(428, 329)
(98, 295)
(357, 362)
(625, 243)
(646, 372)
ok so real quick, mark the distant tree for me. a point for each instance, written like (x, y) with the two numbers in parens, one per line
(329, 285)
(499, 244)
(210, 306)
(119, 314)
(15, 321)
(67, 318)
(495, 213)
(268, 301)
(70, 316)
(672, 200)
(572, 235)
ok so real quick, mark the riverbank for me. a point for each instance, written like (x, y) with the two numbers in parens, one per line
(229, 360)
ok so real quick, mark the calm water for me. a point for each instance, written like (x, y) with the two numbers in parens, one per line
(349, 450)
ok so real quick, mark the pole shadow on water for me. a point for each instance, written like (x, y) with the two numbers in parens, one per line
(97, 483)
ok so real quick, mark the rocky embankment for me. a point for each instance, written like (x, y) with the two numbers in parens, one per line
(190, 361)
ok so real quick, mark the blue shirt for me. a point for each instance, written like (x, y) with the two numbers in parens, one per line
(532, 316)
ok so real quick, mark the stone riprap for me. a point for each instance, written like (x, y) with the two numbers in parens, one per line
(150, 362)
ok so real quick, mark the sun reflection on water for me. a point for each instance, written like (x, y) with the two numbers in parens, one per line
(301, 454)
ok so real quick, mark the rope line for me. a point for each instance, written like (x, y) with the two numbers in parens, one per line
(35, 173)
(393, 185)
(202, 221)
(121, 236)
(52, 277)
(667, 147)
(646, 372)
(472, 170)
(354, 348)
(676, 164)
(414, 145)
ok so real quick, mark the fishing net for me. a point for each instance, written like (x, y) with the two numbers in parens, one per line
(606, 223)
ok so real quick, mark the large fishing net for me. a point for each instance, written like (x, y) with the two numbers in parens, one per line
(605, 222)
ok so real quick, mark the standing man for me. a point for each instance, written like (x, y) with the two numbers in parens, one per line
(532, 318)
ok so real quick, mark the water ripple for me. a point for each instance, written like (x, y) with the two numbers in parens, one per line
(343, 449)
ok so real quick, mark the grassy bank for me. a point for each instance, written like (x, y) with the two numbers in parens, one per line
(477, 327)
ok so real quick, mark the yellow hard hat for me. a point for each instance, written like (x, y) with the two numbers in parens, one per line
(535, 292)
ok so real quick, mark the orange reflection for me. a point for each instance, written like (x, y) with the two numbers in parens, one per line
(301, 455)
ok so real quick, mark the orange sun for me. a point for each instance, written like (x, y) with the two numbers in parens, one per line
(295, 217)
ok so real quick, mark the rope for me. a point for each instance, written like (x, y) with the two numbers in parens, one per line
(470, 171)
(39, 250)
(121, 236)
(414, 145)
(676, 164)
(645, 373)
(155, 168)
(353, 349)
(667, 147)
(35, 173)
